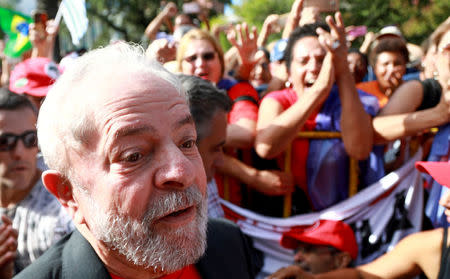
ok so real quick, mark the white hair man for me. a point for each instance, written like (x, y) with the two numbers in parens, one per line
(118, 137)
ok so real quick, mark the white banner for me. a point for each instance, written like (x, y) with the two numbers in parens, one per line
(380, 215)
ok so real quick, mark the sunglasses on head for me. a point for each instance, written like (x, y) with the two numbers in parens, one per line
(8, 141)
(205, 56)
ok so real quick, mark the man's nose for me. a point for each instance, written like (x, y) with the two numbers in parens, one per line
(390, 68)
(175, 169)
(19, 150)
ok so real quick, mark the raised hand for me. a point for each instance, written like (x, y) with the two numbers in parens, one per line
(245, 43)
(170, 10)
(294, 18)
(43, 41)
(161, 50)
(8, 247)
(335, 42)
(290, 272)
(274, 182)
(270, 26)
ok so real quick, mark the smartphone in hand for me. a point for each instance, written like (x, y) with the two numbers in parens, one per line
(40, 23)
(324, 6)
(357, 31)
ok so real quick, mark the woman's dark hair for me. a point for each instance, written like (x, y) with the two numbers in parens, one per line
(389, 44)
(362, 55)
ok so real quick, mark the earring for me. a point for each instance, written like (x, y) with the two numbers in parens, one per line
(435, 75)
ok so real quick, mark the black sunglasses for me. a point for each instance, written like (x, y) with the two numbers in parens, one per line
(8, 141)
(205, 56)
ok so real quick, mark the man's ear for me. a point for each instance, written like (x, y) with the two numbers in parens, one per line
(62, 189)
(342, 260)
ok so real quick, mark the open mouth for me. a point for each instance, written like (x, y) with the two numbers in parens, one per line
(177, 213)
(309, 82)
(203, 75)
(179, 217)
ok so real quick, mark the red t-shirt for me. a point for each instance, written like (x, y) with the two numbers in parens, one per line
(189, 272)
(286, 98)
(242, 108)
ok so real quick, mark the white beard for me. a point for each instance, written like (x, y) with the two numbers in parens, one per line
(163, 250)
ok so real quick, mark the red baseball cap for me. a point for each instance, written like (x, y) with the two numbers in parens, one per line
(324, 232)
(440, 171)
(34, 76)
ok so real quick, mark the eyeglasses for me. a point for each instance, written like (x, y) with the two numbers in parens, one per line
(207, 56)
(8, 141)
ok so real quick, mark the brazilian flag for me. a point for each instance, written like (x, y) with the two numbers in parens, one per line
(15, 25)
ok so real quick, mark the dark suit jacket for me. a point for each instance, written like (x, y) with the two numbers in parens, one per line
(228, 255)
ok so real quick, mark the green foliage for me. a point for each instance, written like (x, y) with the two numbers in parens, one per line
(10, 4)
(416, 21)
(255, 12)
(221, 20)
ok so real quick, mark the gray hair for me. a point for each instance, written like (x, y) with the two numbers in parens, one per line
(204, 100)
(66, 119)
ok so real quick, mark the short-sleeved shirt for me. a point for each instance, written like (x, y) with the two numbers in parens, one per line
(312, 158)
(40, 221)
(245, 100)
(245, 106)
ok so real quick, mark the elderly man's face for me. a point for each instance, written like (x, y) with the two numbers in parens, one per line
(143, 179)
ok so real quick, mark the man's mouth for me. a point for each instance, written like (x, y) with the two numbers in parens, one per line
(18, 168)
(179, 217)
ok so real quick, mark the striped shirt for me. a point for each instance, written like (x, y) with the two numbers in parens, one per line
(40, 221)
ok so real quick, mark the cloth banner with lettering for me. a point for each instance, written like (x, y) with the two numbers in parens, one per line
(380, 216)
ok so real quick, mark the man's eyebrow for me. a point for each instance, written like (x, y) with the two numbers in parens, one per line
(131, 131)
(186, 120)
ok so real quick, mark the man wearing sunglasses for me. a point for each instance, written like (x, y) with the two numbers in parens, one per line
(31, 218)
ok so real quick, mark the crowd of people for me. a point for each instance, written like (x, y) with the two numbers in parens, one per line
(137, 148)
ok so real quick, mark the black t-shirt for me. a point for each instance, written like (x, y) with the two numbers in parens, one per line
(431, 94)
(444, 270)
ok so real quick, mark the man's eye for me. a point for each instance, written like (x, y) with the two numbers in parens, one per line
(188, 144)
(133, 157)
(218, 148)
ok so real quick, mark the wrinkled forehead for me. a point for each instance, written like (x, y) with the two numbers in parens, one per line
(104, 89)
(121, 95)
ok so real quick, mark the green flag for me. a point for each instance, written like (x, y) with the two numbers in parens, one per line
(15, 25)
